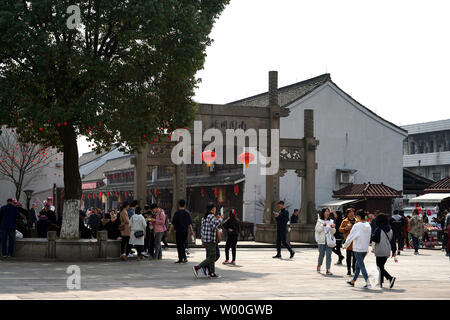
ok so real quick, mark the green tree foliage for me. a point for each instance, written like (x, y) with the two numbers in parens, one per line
(120, 78)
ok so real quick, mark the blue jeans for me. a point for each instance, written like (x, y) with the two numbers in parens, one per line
(323, 248)
(360, 265)
(415, 243)
(11, 233)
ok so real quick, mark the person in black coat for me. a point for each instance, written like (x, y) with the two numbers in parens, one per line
(295, 216)
(338, 235)
(48, 213)
(8, 217)
(282, 218)
(232, 228)
(85, 232)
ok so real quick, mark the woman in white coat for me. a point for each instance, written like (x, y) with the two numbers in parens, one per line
(325, 228)
(137, 236)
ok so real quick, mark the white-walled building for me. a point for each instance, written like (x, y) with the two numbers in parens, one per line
(356, 145)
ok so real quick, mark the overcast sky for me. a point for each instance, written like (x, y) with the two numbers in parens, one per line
(393, 56)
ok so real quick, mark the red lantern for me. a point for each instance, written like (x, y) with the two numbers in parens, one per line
(203, 192)
(93, 196)
(100, 195)
(216, 192)
(89, 196)
(82, 196)
(246, 158)
(236, 190)
(126, 194)
(108, 194)
(156, 192)
(208, 157)
(117, 193)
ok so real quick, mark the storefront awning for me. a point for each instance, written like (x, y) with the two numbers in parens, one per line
(430, 198)
(338, 203)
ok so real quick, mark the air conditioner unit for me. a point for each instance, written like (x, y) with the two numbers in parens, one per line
(346, 177)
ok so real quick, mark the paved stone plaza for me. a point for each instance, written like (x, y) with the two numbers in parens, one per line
(257, 276)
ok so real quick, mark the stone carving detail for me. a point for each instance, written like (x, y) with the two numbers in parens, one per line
(292, 154)
(300, 173)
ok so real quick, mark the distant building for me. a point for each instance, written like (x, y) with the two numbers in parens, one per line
(427, 149)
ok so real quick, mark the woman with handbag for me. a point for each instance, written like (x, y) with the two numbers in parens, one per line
(325, 230)
(159, 224)
(125, 231)
(137, 227)
(383, 238)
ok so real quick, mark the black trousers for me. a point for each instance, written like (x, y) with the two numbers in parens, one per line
(139, 249)
(125, 247)
(399, 239)
(337, 249)
(445, 241)
(351, 261)
(381, 261)
(231, 243)
(181, 237)
(281, 239)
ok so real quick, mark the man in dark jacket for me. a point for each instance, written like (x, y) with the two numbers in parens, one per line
(338, 235)
(8, 216)
(94, 222)
(182, 224)
(282, 218)
(295, 216)
(397, 224)
(48, 213)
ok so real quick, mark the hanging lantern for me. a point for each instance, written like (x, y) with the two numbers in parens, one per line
(82, 196)
(246, 157)
(108, 194)
(216, 192)
(117, 193)
(236, 190)
(131, 174)
(208, 157)
(89, 196)
(203, 192)
(93, 196)
(156, 192)
(100, 195)
(126, 194)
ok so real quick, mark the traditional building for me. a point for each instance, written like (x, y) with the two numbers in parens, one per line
(356, 145)
(368, 196)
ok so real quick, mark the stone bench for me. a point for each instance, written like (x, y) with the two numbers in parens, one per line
(67, 250)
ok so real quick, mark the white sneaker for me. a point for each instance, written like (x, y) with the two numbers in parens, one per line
(130, 255)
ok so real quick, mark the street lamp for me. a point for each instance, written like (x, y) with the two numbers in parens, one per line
(28, 194)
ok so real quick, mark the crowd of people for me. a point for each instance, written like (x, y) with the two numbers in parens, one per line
(358, 232)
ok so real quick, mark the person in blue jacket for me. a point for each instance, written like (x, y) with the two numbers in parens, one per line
(8, 216)
(282, 218)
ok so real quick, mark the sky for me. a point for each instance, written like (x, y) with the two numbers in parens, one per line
(392, 56)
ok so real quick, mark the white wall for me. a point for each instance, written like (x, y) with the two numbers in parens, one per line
(349, 138)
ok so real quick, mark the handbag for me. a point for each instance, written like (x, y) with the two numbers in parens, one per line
(139, 234)
(218, 235)
(330, 239)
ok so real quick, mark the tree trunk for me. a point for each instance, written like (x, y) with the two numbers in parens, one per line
(72, 185)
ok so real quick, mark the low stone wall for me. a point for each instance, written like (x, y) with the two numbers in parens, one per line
(67, 250)
(267, 233)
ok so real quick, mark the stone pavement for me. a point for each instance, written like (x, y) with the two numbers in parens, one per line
(257, 276)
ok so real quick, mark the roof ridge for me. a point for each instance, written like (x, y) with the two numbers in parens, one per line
(325, 76)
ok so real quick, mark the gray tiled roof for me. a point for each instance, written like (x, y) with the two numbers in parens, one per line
(90, 156)
(122, 163)
(286, 95)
